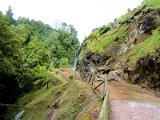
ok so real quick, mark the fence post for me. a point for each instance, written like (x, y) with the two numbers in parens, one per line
(105, 88)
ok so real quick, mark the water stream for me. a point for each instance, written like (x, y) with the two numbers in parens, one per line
(19, 115)
(75, 64)
(76, 60)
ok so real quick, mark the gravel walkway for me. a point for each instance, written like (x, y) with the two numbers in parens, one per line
(131, 102)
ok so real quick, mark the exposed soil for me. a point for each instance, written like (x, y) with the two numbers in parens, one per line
(131, 102)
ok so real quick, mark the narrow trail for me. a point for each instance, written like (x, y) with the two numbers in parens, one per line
(131, 102)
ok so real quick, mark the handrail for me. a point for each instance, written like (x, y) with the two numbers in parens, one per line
(11, 105)
(104, 114)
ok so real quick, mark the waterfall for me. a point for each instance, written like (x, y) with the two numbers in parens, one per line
(75, 64)
(76, 59)
(19, 115)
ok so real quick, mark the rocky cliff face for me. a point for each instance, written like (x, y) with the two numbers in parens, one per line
(129, 49)
(146, 72)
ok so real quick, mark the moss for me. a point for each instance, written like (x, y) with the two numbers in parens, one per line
(148, 47)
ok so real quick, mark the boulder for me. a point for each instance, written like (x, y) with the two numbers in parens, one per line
(116, 75)
(95, 58)
(148, 24)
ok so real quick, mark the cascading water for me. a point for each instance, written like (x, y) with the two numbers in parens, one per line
(76, 60)
(19, 115)
(75, 64)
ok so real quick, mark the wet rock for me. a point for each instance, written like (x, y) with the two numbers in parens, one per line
(95, 58)
(148, 24)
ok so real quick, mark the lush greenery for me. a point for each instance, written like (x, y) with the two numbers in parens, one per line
(71, 98)
(28, 50)
(98, 43)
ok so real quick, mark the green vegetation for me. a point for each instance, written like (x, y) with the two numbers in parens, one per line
(29, 49)
(148, 47)
(115, 33)
(73, 97)
(32, 52)
(59, 77)
(154, 3)
(97, 42)
(112, 36)
(146, 4)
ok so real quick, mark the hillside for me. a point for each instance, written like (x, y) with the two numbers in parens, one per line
(129, 47)
(64, 99)
(117, 75)
(29, 50)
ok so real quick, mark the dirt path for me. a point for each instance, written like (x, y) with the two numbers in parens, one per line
(131, 102)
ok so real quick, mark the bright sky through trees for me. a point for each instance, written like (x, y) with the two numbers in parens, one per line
(83, 14)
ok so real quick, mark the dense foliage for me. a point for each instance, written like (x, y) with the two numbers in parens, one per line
(28, 49)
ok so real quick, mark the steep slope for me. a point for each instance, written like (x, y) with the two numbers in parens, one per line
(129, 47)
(66, 101)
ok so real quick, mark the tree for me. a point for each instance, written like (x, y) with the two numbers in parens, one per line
(129, 10)
(64, 62)
(10, 14)
(28, 49)
(8, 59)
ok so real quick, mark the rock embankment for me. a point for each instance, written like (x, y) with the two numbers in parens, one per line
(147, 73)
(117, 56)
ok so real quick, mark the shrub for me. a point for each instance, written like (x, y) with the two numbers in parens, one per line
(104, 29)
(71, 77)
